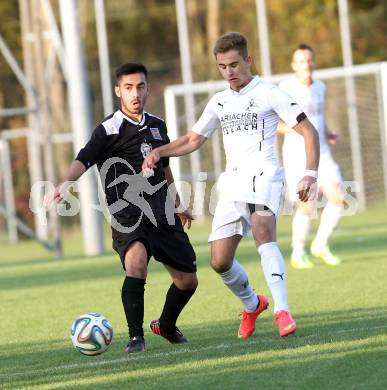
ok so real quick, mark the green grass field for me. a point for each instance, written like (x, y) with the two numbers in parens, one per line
(341, 341)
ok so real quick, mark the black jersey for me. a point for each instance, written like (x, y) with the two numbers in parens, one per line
(118, 146)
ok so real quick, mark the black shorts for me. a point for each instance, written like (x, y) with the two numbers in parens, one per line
(168, 244)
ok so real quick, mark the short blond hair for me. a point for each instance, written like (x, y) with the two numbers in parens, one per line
(231, 41)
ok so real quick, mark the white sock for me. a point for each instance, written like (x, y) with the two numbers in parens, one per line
(300, 230)
(236, 280)
(273, 266)
(329, 220)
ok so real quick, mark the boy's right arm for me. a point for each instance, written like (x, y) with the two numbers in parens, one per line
(76, 170)
(282, 128)
(183, 145)
(85, 159)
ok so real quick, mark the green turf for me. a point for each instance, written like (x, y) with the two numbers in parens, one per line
(341, 342)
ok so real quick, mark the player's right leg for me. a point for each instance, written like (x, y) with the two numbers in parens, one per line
(179, 293)
(330, 217)
(132, 294)
(173, 248)
(235, 278)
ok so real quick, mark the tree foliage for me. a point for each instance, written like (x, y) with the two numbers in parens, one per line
(146, 31)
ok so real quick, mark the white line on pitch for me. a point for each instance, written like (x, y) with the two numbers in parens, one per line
(141, 356)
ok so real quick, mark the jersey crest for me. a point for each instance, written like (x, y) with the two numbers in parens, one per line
(251, 104)
(156, 133)
(145, 149)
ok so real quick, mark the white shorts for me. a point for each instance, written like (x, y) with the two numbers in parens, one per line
(328, 173)
(233, 217)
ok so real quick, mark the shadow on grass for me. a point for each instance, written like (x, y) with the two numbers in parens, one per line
(39, 260)
(202, 248)
(356, 246)
(72, 269)
(215, 357)
(109, 265)
(55, 273)
(359, 244)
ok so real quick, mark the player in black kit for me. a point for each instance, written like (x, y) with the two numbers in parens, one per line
(144, 219)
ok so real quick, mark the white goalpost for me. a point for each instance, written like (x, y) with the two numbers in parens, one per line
(356, 107)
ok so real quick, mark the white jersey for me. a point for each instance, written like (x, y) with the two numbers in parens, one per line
(248, 120)
(312, 100)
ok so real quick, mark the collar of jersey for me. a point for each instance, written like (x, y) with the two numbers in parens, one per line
(304, 85)
(121, 116)
(254, 82)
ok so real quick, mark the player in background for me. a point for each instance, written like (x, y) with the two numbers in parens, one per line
(140, 228)
(310, 95)
(250, 189)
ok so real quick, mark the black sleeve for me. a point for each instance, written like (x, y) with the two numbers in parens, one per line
(94, 149)
(165, 160)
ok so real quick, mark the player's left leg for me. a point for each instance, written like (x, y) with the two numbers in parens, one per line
(173, 248)
(329, 219)
(132, 294)
(263, 223)
(294, 164)
(179, 293)
(300, 229)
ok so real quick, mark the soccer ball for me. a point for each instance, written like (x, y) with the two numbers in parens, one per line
(91, 334)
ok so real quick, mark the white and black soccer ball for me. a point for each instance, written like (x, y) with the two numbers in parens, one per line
(91, 334)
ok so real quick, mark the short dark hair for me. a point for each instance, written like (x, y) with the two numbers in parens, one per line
(231, 41)
(130, 68)
(304, 46)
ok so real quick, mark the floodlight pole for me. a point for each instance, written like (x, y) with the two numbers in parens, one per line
(186, 71)
(55, 35)
(9, 196)
(43, 119)
(80, 111)
(382, 98)
(353, 122)
(264, 49)
(263, 35)
(103, 52)
(33, 140)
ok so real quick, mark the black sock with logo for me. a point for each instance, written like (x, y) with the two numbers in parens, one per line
(175, 301)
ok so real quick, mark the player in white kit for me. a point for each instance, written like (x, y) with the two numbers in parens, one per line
(250, 188)
(310, 95)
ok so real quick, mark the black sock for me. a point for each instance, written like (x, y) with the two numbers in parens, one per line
(132, 295)
(175, 301)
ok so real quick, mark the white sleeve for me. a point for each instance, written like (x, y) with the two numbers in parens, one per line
(283, 85)
(285, 106)
(208, 121)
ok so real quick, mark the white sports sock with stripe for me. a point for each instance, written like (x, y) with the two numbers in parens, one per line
(236, 280)
(300, 230)
(273, 266)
